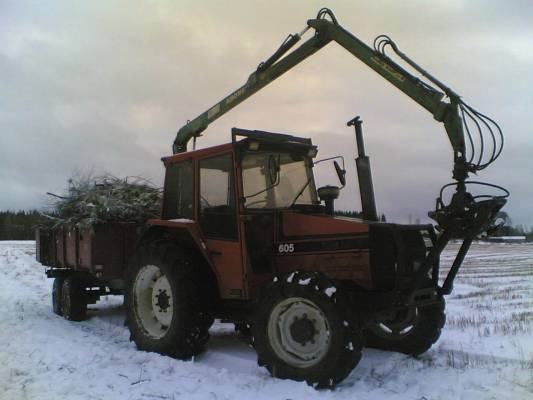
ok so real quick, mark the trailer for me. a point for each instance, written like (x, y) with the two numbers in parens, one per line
(85, 263)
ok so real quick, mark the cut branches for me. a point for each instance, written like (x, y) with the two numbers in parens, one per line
(92, 201)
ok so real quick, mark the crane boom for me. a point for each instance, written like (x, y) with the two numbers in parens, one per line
(438, 99)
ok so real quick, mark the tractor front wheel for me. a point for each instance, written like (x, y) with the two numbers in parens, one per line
(411, 331)
(302, 331)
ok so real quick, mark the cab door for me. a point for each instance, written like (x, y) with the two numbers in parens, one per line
(217, 217)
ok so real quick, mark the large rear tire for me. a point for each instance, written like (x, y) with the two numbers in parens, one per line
(303, 330)
(165, 308)
(412, 331)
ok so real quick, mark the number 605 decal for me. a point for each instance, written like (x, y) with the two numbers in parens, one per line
(286, 248)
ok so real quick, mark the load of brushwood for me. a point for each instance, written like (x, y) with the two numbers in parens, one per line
(91, 201)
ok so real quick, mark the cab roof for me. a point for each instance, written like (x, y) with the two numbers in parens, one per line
(269, 141)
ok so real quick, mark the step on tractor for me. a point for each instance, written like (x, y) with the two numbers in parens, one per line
(246, 237)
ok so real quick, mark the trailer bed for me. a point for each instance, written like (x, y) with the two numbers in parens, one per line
(103, 252)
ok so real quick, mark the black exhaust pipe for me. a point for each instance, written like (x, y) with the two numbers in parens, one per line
(364, 174)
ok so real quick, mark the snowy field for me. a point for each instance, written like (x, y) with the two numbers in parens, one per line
(485, 351)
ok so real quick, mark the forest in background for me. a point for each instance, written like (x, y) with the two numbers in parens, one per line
(21, 225)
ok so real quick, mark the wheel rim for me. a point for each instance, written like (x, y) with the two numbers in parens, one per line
(401, 326)
(153, 301)
(299, 332)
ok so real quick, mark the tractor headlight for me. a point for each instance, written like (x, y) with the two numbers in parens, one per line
(253, 146)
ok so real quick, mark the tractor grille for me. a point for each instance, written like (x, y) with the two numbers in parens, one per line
(383, 256)
(396, 251)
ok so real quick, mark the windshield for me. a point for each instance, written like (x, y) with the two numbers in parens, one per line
(264, 187)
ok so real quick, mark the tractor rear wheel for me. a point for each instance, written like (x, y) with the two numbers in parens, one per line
(302, 330)
(412, 331)
(165, 312)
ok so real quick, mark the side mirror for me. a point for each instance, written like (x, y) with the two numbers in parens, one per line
(341, 173)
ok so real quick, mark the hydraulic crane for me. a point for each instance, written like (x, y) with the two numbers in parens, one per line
(466, 128)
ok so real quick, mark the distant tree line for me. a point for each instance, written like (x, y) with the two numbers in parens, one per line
(356, 214)
(19, 225)
(351, 214)
(517, 230)
(506, 228)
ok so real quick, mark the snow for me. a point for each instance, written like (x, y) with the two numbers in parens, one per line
(485, 351)
(290, 278)
(330, 291)
(507, 237)
(304, 282)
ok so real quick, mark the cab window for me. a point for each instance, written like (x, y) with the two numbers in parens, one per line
(217, 197)
(178, 198)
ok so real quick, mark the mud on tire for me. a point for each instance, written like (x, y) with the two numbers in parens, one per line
(165, 308)
(303, 330)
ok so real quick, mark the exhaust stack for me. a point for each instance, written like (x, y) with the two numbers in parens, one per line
(364, 174)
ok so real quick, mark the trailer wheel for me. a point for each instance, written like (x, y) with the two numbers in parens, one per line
(73, 299)
(302, 330)
(164, 303)
(413, 331)
(56, 295)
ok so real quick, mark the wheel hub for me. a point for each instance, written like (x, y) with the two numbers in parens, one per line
(303, 330)
(162, 300)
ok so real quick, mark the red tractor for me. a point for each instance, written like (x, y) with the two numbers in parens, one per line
(246, 237)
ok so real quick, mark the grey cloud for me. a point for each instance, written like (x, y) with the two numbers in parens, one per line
(105, 85)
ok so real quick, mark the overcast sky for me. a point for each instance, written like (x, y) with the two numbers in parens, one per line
(104, 86)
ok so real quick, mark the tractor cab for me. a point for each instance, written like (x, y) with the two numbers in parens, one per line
(256, 203)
